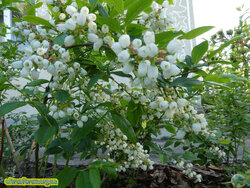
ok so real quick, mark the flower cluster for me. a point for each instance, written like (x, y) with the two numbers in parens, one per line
(187, 170)
(133, 155)
(217, 151)
(159, 19)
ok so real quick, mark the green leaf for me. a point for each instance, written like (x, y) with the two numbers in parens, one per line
(163, 158)
(133, 113)
(217, 78)
(60, 39)
(121, 74)
(94, 80)
(10, 106)
(199, 51)
(186, 82)
(190, 156)
(66, 176)
(32, 9)
(135, 30)
(95, 178)
(226, 142)
(171, 2)
(82, 180)
(44, 133)
(170, 128)
(189, 61)
(80, 3)
(2, 79)
(103, 12)
(79, 133)
(36, 20)
(41, 108)
(37, 82)
(135, 9)
(62, 95)
(117, 4)
(113, 24)
(162, 39)
(124, 125)
(196, 32)
(223, 46)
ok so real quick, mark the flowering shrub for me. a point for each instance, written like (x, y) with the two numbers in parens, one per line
(226, 99)
(73, 64)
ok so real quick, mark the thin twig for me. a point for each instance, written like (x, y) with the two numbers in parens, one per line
(12, 148)
(2, 142)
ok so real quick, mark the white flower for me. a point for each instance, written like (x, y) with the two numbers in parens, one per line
(128, 68)
(53, 108)
(174, 46)
(75, 16)
(41, 51)
(152, 72)
(143, 51)
(85, 10)
(24, 72)
(149, 37)
(137, 81)
(66, 56)
(17, 64)
(45, 44)
(92, 37)
(105, 28)
(165, 4)
(173, 105)
(109, 40)
(196, 127)
(35, 44)
(62, 16)
(92, 27)
(137, 43)
(79, 124)
(163, 105)
(153, 105)
(116, 47)
(51, 69)
(45, 63)
(55, 9)
(28, 50)
(123, 56)
(83, 72)
(61, 114)
(84, 118)
(174, 70)
(81, 19)
(142, 69)
(27, 64)
(165, 65)
(71, 70)
(180, 134)
(34, 74)
(124, 40)
(71, 10)
(155, 6)
(69, 40)
(98, 45)
(91, 17)
(152, 49)
(64, 2)
(56, 47)
(61, 27)
(70, 24)
(182, 102)
(50, 2)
